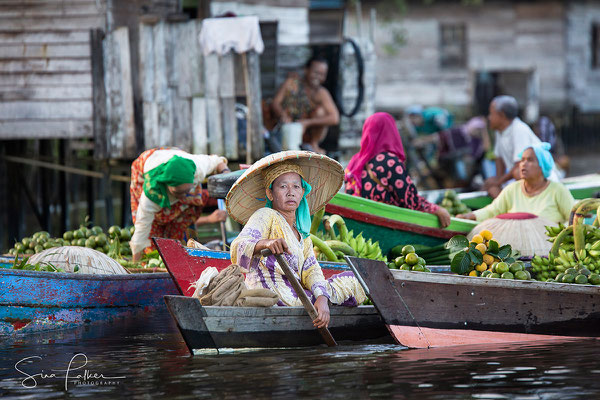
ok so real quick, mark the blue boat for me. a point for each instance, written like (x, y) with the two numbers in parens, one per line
(33, 301)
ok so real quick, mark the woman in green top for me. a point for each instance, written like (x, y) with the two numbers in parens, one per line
(167, 195)
(533, 193)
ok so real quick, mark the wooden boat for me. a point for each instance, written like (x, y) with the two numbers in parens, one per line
(210, 329)
(33, 301)
(424, 310)
(213, 329)
(391, 225)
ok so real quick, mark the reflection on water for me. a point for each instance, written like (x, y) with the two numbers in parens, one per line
(141, 358)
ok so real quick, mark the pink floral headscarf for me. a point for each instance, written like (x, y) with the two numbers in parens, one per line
(379, 135)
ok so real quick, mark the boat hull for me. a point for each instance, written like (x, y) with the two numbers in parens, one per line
(32, 301)
(392, 226)
(434, 310)
(211, 328)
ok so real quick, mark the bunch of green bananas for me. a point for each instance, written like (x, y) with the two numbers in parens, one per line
(575, 250)
(332, 246)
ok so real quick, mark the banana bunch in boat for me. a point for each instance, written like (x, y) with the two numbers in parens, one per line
(575, 253)
(452, 203)
(332, 246)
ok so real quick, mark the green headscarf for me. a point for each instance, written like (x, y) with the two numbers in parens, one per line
(302, 213)
(177, 171)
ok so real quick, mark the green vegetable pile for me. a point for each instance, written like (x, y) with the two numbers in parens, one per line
(452, 203)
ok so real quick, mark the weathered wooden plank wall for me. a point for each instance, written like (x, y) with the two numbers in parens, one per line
(584, 87)
(188, 99)
(500, 36)
(120, 126)
(171, 77)
(45, 69)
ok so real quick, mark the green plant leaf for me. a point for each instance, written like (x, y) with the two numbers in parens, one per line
(493, 247)
(460, 263)
(457, 242)
(504, 251)
(476, 256)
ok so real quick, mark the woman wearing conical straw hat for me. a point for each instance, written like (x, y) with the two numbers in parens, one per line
(534, 193)
(274, 200)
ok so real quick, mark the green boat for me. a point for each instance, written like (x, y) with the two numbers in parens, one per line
(391, 225)
(581, 187)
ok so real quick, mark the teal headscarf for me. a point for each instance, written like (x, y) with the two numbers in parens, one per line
(302, 213)
(544, 157)
(177, 171)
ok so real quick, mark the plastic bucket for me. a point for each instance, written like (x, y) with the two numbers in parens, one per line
(291, 136)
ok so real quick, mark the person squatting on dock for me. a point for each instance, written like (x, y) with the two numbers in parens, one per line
(167, 196)
(281, 223)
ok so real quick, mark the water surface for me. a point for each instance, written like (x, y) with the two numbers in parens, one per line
(145, 357)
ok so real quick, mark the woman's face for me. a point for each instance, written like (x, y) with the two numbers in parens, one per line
(316, 73)
(180, 191)
(530, 168)
(286, 192)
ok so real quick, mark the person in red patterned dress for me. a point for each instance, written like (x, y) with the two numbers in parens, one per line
(378, 172)
(167, 196)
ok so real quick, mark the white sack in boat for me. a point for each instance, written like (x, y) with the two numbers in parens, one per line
(89, 261)
(202, 283)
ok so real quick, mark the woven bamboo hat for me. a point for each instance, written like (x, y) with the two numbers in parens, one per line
(247, 194)
(523, 231)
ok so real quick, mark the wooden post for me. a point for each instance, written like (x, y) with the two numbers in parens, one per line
(45, 176)
(98, 94)
(62, 187)
(227, 102)
(213, 105)
(255, 146)
(106, 193)
(125, 205)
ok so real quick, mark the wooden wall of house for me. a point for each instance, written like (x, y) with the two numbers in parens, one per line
(45, 62)
(501, 35)
(45, 72)
(584, 81)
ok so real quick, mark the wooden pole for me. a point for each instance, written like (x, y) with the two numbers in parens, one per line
(255, 147)
(308, 306)
(62, 187)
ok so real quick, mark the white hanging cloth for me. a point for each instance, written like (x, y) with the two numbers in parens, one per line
(241, 34)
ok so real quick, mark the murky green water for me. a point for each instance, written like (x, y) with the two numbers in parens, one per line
(146, 358)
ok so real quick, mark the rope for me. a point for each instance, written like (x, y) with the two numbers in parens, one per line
(411, 315)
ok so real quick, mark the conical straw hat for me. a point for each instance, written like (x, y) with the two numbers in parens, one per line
(248, 193)
(525, 232)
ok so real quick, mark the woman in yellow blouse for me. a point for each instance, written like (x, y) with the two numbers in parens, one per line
(274, 199)
(533, 193)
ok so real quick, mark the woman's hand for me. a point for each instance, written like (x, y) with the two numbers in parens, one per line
(215, 217)
(467, 216)
(277, 246)
(443, 216)
(322, 307)
(136, 257)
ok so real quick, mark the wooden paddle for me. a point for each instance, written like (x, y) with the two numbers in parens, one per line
(221, 206)
(308, 306)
